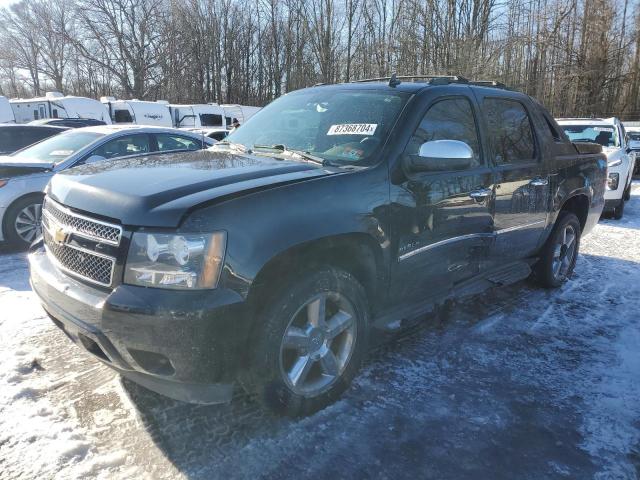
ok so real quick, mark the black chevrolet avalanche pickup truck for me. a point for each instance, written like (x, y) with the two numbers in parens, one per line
(268, 260)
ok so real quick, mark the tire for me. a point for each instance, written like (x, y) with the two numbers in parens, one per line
(618, 211)
(557, 259)
(286, 382)
(21, 224)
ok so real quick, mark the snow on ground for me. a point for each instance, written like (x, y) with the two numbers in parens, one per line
(519, 383)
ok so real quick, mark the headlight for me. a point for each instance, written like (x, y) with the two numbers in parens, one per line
(179, 261)
(612, 182)
(615, 163)
(3, 182)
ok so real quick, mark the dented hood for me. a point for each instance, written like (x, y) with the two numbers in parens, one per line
(158, 190)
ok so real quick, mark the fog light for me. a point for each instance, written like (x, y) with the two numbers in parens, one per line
(612, 182)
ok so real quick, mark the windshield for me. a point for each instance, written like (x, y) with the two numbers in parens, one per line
(343, 126)
(634, 135)
(56, 149)
(607, 136)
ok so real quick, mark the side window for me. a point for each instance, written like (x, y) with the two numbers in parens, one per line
(210, 120)
(8, 140)
(449, 119)
(55, 113)
(122, 116)
(168, 142)
(123, 146)
(510, 131)
(30, 136)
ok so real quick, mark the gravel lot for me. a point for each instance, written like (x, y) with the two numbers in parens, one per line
(520, 383)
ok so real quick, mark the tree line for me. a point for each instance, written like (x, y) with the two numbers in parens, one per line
(579, 57)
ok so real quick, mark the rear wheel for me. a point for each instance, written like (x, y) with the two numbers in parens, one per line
(618, 211)
(312, 343)
(560, 253)
(22, 223)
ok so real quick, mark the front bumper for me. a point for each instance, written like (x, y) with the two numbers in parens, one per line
(185, 345)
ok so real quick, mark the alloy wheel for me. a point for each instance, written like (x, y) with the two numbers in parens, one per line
(27, 224)
(564, 252)
(318, 344)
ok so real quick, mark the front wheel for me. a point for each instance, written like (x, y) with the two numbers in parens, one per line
(311, 344)
(22, 221)
(559, 255)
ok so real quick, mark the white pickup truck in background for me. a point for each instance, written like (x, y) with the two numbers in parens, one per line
(609, 133)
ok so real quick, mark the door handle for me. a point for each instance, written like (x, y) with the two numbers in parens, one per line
(480, 194)
(539, 182)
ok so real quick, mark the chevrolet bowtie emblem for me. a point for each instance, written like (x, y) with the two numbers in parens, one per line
(60, 235)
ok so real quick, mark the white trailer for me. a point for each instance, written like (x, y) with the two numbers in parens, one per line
(241, 113)
(6, 112)
(138, 112)
(56, 105)
(210, 115)
(202, 116)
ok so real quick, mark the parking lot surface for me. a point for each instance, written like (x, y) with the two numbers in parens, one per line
(518, 383)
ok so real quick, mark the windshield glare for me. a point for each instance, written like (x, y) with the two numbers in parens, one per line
(56, 149)
(345, 126)
(605, 135)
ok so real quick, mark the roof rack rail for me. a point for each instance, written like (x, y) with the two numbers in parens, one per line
(396, 79)
(490, 83)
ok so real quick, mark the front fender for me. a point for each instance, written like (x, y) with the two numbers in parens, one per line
(262, 225)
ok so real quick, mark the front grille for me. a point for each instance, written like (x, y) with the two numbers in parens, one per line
(82, 226)
(59, 227)
(81, 262)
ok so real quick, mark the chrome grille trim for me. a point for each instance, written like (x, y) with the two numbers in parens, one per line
(59, 254)
(80, 225)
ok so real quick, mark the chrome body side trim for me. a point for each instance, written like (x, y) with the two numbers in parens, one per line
(519, 227)
(446, 241)
(469, 236)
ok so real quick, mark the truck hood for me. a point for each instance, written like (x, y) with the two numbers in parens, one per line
(158, 190)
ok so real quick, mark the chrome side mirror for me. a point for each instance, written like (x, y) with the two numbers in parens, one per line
(441, 156)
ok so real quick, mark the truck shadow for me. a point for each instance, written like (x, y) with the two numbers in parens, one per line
(244, 439)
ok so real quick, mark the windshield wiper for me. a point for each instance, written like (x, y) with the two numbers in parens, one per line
(283, 150)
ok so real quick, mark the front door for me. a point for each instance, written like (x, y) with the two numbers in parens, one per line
(521, 178)
(442, 220)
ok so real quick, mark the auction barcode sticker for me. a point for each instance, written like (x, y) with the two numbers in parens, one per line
(353, 129)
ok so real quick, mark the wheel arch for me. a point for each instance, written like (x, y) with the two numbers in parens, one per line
(357, 253)
(578, 204)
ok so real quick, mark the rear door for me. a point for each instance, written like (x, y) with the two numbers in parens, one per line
(442, 220)
(521, 178)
